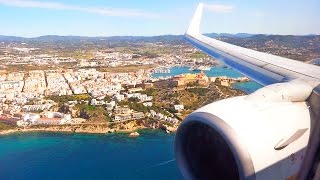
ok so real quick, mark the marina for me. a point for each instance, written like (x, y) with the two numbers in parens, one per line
(163, 70)
(247, 87)
(200, 68)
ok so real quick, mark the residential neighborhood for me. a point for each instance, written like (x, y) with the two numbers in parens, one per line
(104, 85)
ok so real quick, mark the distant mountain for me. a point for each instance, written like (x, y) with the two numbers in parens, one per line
(293, 41)
(238, 35)
(151, 39)
(301, 48)
(112, 39)
(61, 38)
(164, 38)
(11, 38)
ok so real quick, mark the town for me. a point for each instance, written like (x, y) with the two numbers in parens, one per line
(62, 84)
(85, 93)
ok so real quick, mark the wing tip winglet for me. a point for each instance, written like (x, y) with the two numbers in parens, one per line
(194, 27)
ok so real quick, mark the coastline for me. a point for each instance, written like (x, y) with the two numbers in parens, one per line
(123, 127)
(93, 129)
(29, 130)
(53, 130)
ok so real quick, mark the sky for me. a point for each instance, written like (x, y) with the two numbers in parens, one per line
(32, 18)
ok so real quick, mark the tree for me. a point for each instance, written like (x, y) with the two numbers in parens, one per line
(133, 99)
(149, 91)
(107, 98)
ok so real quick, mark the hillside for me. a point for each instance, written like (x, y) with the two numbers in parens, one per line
(303, 48)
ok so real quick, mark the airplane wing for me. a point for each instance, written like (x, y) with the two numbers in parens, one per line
(261, 67)
(263, 135)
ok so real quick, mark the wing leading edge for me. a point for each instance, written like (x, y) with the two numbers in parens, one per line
(261, 67)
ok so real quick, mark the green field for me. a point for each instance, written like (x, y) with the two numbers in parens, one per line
(131, 68)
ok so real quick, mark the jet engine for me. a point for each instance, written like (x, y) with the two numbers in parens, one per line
(260, 136)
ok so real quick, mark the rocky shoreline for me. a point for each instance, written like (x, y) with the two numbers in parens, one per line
(91, 129)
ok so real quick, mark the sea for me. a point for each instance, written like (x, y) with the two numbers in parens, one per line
(90, 156)
(55, 156)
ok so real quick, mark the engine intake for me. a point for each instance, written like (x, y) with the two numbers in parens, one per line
(207, 148)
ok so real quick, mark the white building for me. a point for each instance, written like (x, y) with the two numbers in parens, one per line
(95, 102)
(148, 104)
(179, 107)
(122, 117)
(32, 118)
(138, 115)
(119, 97)
(110, 105)
(153, 113)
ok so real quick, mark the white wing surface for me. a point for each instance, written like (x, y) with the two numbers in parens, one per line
(261, 67)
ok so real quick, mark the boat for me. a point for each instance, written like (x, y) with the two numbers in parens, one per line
(134, 134)
(200, 68)
(162, 70)
(204, 68)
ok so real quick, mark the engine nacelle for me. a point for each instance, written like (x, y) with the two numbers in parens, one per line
(239, 138)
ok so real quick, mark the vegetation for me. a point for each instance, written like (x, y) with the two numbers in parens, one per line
(29, 67)
(198, 55)
(95, 113)
(167, 123)
(133, 99)
(82, 47)
(131, 68)
(148, 54)
(107, 98)
(4, 126)
(192, 84)
(192, 97)
(64, 99)
(150, 91)
(160, 110)
(90, 108)
(80, 55)
(141, 108)
(281, 45)
(198, 91)
(138, 107)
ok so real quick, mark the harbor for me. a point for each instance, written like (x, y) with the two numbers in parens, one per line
(235, 79)
(200, 68)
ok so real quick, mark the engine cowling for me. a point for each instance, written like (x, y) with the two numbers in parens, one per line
(239, 138)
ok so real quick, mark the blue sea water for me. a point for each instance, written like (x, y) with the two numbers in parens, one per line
(247, 87)
(215, 71)
(86, 156)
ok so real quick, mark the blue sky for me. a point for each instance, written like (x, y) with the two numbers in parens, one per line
(31, 18)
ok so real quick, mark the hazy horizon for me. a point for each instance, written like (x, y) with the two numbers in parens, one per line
(30, 37)
(34, 18)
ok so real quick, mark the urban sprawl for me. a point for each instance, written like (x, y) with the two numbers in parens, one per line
(30, 97)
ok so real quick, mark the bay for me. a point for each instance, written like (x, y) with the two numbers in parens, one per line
(88, 156)
(247, 87)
